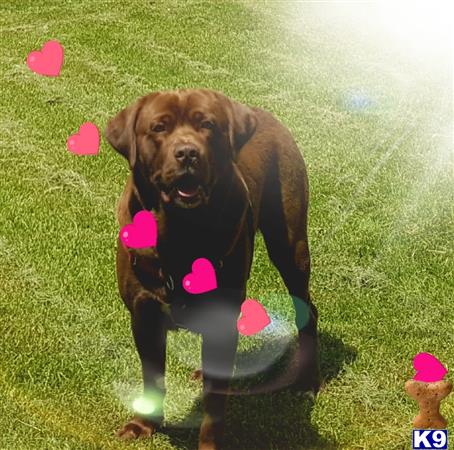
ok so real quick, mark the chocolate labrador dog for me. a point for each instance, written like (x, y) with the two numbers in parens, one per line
(213, 172)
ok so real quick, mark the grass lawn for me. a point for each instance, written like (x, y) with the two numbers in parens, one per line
(375, 126)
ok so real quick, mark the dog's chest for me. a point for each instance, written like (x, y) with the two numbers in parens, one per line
(185, 244)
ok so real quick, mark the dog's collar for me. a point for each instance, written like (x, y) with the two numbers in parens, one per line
(169, 281)
(247, 215)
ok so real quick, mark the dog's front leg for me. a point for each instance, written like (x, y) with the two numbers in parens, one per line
(149, 331)
(218, 357)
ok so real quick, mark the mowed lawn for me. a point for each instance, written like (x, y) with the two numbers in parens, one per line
(374, 125)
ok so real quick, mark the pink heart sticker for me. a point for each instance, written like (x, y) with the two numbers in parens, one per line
(428, 368)
(48, 60)
(143, 232)
(254, 318)
(86, 142)
(201, 279)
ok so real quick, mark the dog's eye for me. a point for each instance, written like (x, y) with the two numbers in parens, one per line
(207, 124)
(158, 128)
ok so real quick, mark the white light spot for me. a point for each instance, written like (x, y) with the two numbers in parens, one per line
(143, 405)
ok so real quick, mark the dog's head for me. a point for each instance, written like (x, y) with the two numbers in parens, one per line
(182, 142)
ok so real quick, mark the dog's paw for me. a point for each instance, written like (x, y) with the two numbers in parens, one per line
(197, 375)
(211, 434)
(308, 380)
(137, 428)
(208, 446)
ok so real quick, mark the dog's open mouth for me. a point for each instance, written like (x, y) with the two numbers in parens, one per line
(186, 191)
(188, 187)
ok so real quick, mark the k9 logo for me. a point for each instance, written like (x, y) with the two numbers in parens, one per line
(430, 439)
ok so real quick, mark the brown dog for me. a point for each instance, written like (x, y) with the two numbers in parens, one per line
(213, 171)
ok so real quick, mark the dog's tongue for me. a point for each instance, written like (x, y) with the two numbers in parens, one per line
(187, 193)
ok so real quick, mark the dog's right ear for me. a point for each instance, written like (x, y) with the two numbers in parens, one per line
(120, 132)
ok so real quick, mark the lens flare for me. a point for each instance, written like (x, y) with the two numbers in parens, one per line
(144, 405)
(358, 101)
(417, 27)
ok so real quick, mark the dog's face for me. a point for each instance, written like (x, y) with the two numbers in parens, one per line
(182, 142)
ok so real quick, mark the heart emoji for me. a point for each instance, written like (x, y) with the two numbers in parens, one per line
(86, 142)
(428, 368)
(142, 232)
(254, 318)
(48, 61)
(201, 279)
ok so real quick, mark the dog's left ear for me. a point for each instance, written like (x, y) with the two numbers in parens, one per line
(243, 123)
(120, 132)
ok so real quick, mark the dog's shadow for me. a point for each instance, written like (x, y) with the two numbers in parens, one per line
(279, 420)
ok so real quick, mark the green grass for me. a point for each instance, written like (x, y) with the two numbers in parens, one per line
(381, 220)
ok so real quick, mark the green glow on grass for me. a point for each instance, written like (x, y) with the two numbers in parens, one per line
(302, 312)
(144, 405)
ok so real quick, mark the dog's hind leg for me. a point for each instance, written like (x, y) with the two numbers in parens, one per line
(283, 223)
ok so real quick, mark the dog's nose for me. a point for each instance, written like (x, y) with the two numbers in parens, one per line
(187, 155)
